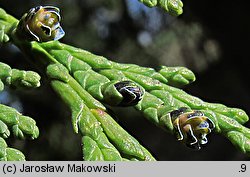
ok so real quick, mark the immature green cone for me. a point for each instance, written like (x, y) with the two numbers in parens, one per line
(130, 92)
(41, 23)
(191, 127)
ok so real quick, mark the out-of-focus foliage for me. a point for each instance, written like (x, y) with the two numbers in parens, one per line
(173, 7)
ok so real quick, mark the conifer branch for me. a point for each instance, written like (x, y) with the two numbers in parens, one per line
(18, 78)
(84, 80)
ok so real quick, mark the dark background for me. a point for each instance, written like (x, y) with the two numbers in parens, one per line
(211, 38)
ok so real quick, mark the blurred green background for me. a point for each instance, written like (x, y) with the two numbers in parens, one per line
(211, 38)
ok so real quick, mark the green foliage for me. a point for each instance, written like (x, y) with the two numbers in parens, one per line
(85, 81)
(10, 119)
(21, 126)
(18, 78)
(7, 24)
(9, 154)
(160, 99)
(173, 7)
(103, 138)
